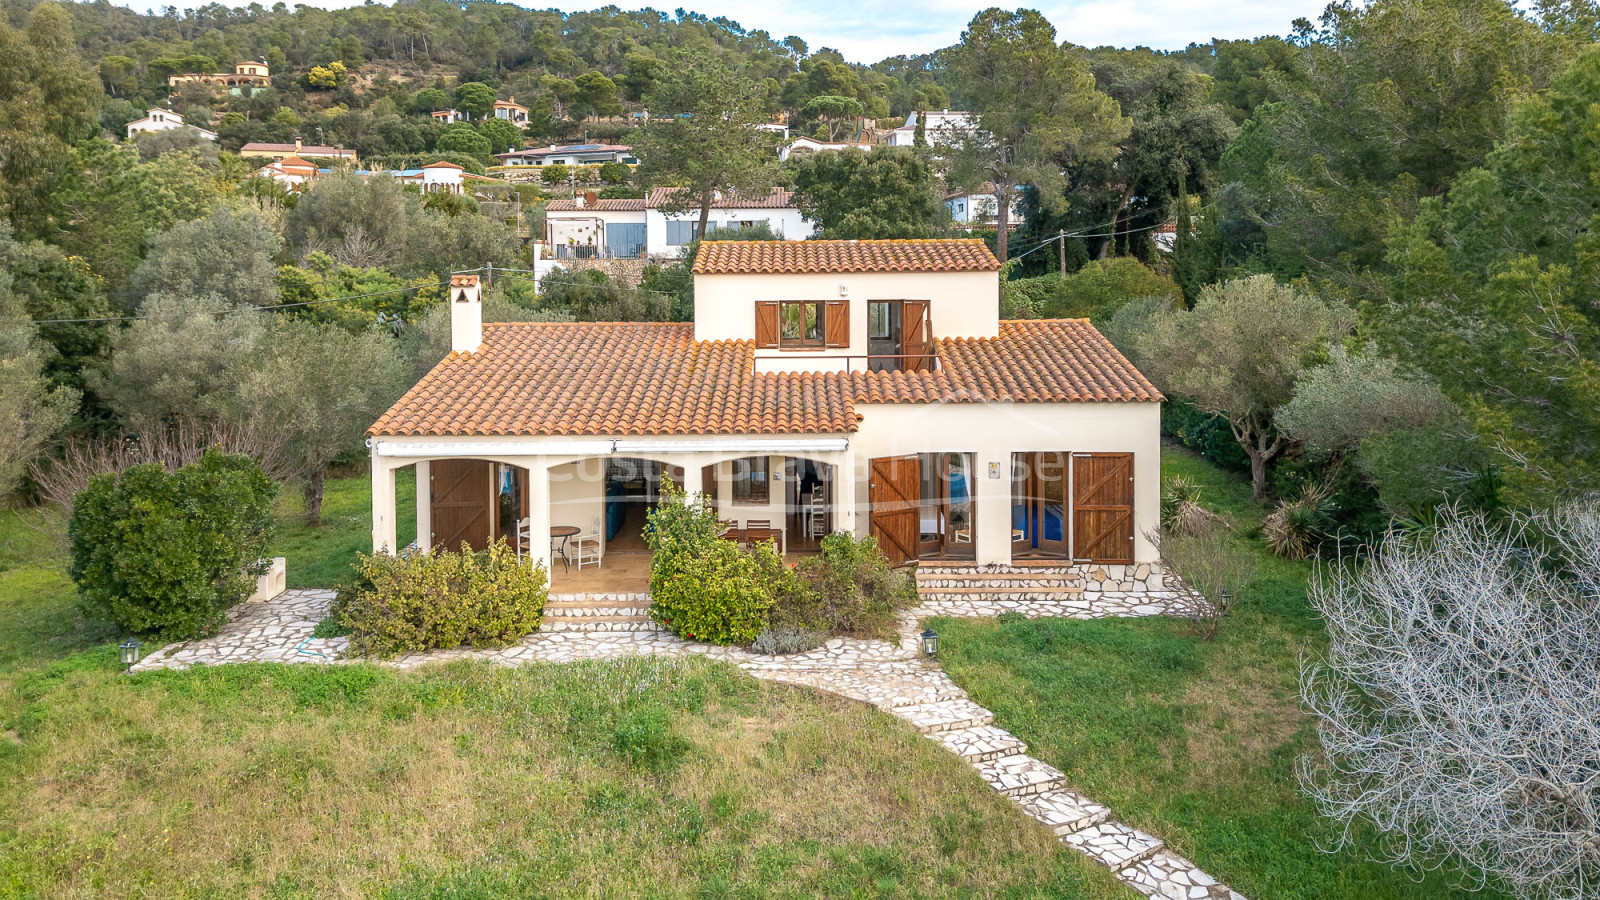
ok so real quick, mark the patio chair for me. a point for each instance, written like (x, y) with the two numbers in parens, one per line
(585, 549)
(764, 525)
(817, 516)
(524, 536)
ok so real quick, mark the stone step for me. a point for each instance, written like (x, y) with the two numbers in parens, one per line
(1053, 590)
(597, 623)
(1019, 775)
(944, 715)
(1114, 844)
(923, 694)
(958, 575)
(1063, 811)
(980, 744)
(559, 616)
(597, 604)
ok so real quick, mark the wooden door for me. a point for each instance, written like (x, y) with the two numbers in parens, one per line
(1102, 507)
(461, 500)
(916, 335)
(893, 492)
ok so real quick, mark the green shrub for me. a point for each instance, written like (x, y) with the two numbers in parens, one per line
(442, 599)
(703, 587)
(848, 588)
(166, 554)
(1026, 298)
(1297, 526)
(1098, 289)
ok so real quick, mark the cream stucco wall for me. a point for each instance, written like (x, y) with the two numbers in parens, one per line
(961, 304)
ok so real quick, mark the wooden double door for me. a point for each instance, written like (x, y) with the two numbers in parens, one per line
(462, 498)
(1072, 506)
(922, 506)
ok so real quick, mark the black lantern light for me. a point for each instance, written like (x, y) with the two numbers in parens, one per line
(130, 651)
(930, 643)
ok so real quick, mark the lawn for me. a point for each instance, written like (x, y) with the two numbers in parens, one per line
(1195, 742)
(646, 777)
(320, 556)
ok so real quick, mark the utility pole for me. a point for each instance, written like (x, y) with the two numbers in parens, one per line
(1061, 248)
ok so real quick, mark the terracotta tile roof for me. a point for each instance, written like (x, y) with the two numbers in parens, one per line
(620, 378)
(307, 149)
(442, 165)
(603, 205)
(796, 257)
(655, 378)
(778, 198)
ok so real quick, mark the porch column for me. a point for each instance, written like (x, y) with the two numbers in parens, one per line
(844, 490)
(384, 537)
(424, 505)
(991, 498)
(539, 514)
(693, 480)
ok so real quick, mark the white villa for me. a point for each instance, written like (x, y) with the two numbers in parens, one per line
(804, 146)
(941, 128)
(866, 387)
(587, 227)
(164, 120)
(511, 111)
(980, 207)
(569, 155)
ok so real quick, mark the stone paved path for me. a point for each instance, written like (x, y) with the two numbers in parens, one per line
(893, 678)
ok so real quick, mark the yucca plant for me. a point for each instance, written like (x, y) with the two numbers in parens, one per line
(1181, 512)
(1294, 529)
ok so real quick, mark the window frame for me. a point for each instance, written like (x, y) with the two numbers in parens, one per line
(745, 487)
(819, 309)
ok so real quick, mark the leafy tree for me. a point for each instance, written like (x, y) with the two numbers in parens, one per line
(321, 386)
(704, 136)
(1352, 397)
(152, 144)
(1494, 292)
(891, 192)
(614, 173)
(833, 112)
(502, 135)
(640, 78)
(328, 77)
(593, 296)
(32, 411)
(60, 293)
(229, 253)
(1250, 73)
(475, 99)
(166, 554)
(1100, 288)
(460, 137)
(1032, 102)
(180, 364)
(1237, 354)
(597, 94)
(48, 101)
(358, 221)
(432, 99)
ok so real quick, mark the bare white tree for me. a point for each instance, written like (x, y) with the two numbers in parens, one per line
(1458, 705)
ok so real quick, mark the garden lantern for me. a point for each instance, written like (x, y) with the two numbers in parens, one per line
(130, 651)
(930, 643)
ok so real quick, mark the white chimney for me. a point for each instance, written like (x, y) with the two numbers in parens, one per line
(466, 314)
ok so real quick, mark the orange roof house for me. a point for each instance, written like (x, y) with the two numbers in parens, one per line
(860, 386)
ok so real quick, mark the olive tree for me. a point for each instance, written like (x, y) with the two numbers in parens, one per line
(228, 252)
(1353, 396)
(1456, 702)
(1237, 354)
(31, 410)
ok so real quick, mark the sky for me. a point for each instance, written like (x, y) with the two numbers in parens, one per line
(869, 30)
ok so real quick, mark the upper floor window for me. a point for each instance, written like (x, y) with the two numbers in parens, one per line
(801, 323)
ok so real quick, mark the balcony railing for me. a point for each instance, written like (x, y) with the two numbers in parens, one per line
(791, 361)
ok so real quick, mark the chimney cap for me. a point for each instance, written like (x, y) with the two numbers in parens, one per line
(463, 281)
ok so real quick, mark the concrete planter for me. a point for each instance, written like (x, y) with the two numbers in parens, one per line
(273, 581)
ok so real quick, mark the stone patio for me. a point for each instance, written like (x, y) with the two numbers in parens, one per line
(896, 679)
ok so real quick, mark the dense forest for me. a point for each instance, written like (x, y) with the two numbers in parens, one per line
(1419, 171)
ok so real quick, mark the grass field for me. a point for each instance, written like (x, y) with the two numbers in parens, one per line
(1193, 741)
(641, 778)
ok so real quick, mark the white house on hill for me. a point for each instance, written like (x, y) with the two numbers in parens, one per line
(805, 146)
(865, 387)
(164, 120)
(589, 227)
(941, 128)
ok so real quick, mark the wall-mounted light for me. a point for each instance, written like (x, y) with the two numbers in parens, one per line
(844, 289)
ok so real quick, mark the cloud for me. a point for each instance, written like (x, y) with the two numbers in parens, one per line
(870, 30)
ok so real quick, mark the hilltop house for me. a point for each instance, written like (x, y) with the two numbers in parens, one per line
(164, 120)
(865, 387)
(284, 151)
(804, 146)
(244, 75)
(570, 155)
(292, 172)
(588, 227)
(981, 207)
(941, 128)
(511, 111)
(448, 116)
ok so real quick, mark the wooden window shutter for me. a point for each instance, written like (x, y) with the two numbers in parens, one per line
(836, 328)
(917, 336)
(766, 324)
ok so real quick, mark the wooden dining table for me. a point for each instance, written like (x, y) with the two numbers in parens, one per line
(754, 535)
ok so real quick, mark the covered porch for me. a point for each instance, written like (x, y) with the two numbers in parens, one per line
(581, 510)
